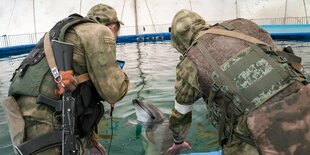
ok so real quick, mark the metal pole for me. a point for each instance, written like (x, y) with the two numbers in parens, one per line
(306, 11)
(136, 16)
(80, 7)
(285, 12)
(237, 12)
(34, 20)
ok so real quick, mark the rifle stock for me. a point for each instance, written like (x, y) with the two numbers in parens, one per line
(63, 53)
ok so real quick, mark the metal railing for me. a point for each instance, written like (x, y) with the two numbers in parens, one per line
(22, 39)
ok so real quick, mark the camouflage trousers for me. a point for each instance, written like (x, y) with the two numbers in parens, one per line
(283, 127)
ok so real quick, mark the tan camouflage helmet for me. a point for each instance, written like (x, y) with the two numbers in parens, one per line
(185, 27)
(103, 14)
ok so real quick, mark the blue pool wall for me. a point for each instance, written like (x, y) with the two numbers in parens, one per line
(277, 32)
(298, 32)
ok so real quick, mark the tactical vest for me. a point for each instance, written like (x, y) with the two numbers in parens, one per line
(28, 77)
(245, 81)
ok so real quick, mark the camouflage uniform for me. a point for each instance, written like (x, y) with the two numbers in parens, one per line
(186, 28)
(94, 53)
(187, 90)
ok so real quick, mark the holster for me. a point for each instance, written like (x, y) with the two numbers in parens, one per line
(15, 120)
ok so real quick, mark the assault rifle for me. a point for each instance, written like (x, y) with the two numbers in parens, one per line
(63, 53)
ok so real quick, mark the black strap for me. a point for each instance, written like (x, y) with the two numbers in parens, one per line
(40, 143)
(222, 124)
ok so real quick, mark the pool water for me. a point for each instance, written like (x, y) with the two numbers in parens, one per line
(151, 70)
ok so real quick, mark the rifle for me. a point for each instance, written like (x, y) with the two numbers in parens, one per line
(63, 53)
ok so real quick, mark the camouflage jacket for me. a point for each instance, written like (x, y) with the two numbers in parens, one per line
(187, 92)
(94, 52)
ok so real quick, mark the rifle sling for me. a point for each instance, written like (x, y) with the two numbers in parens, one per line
(50, 56)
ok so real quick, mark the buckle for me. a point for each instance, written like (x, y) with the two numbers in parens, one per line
(55, 72)
(215, 87)
(292, 73)
(281, 59)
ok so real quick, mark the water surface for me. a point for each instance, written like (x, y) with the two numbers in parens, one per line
(151, 70)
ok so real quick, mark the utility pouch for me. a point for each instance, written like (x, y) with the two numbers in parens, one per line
(283, 127)
(15, 120)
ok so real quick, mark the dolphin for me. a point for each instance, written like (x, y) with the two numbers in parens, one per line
(156, 134)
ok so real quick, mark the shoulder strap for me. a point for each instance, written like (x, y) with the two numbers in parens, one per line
(71, 24)
(50, 56)
(82, 78)
(235, 34)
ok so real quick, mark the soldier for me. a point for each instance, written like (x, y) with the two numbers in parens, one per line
(256, 95)
(94, 57)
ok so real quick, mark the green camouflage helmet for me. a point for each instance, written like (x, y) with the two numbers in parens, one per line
(103, 14)
(185, 27)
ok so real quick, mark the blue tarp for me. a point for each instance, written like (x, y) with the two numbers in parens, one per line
(277, 32)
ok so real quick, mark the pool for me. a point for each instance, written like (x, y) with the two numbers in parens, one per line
(151, 69)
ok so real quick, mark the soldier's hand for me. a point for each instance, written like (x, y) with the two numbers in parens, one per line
(176, 148)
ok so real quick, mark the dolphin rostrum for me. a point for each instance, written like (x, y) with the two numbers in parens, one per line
(156, 134)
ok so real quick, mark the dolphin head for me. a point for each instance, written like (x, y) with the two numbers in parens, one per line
(147, 113)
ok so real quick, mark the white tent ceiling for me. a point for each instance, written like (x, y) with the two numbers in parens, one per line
(29, 16)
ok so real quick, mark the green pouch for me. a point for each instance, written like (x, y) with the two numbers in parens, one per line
(29, 83)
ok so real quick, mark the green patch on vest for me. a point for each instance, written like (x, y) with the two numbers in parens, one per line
(254, 76)
(29, 83)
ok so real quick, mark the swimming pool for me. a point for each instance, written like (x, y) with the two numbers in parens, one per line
(151, 69)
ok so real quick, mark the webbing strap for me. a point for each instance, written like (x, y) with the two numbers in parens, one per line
(82, 78)
(222, 122)
(50, 56)
(235, 34)
(71, 24)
